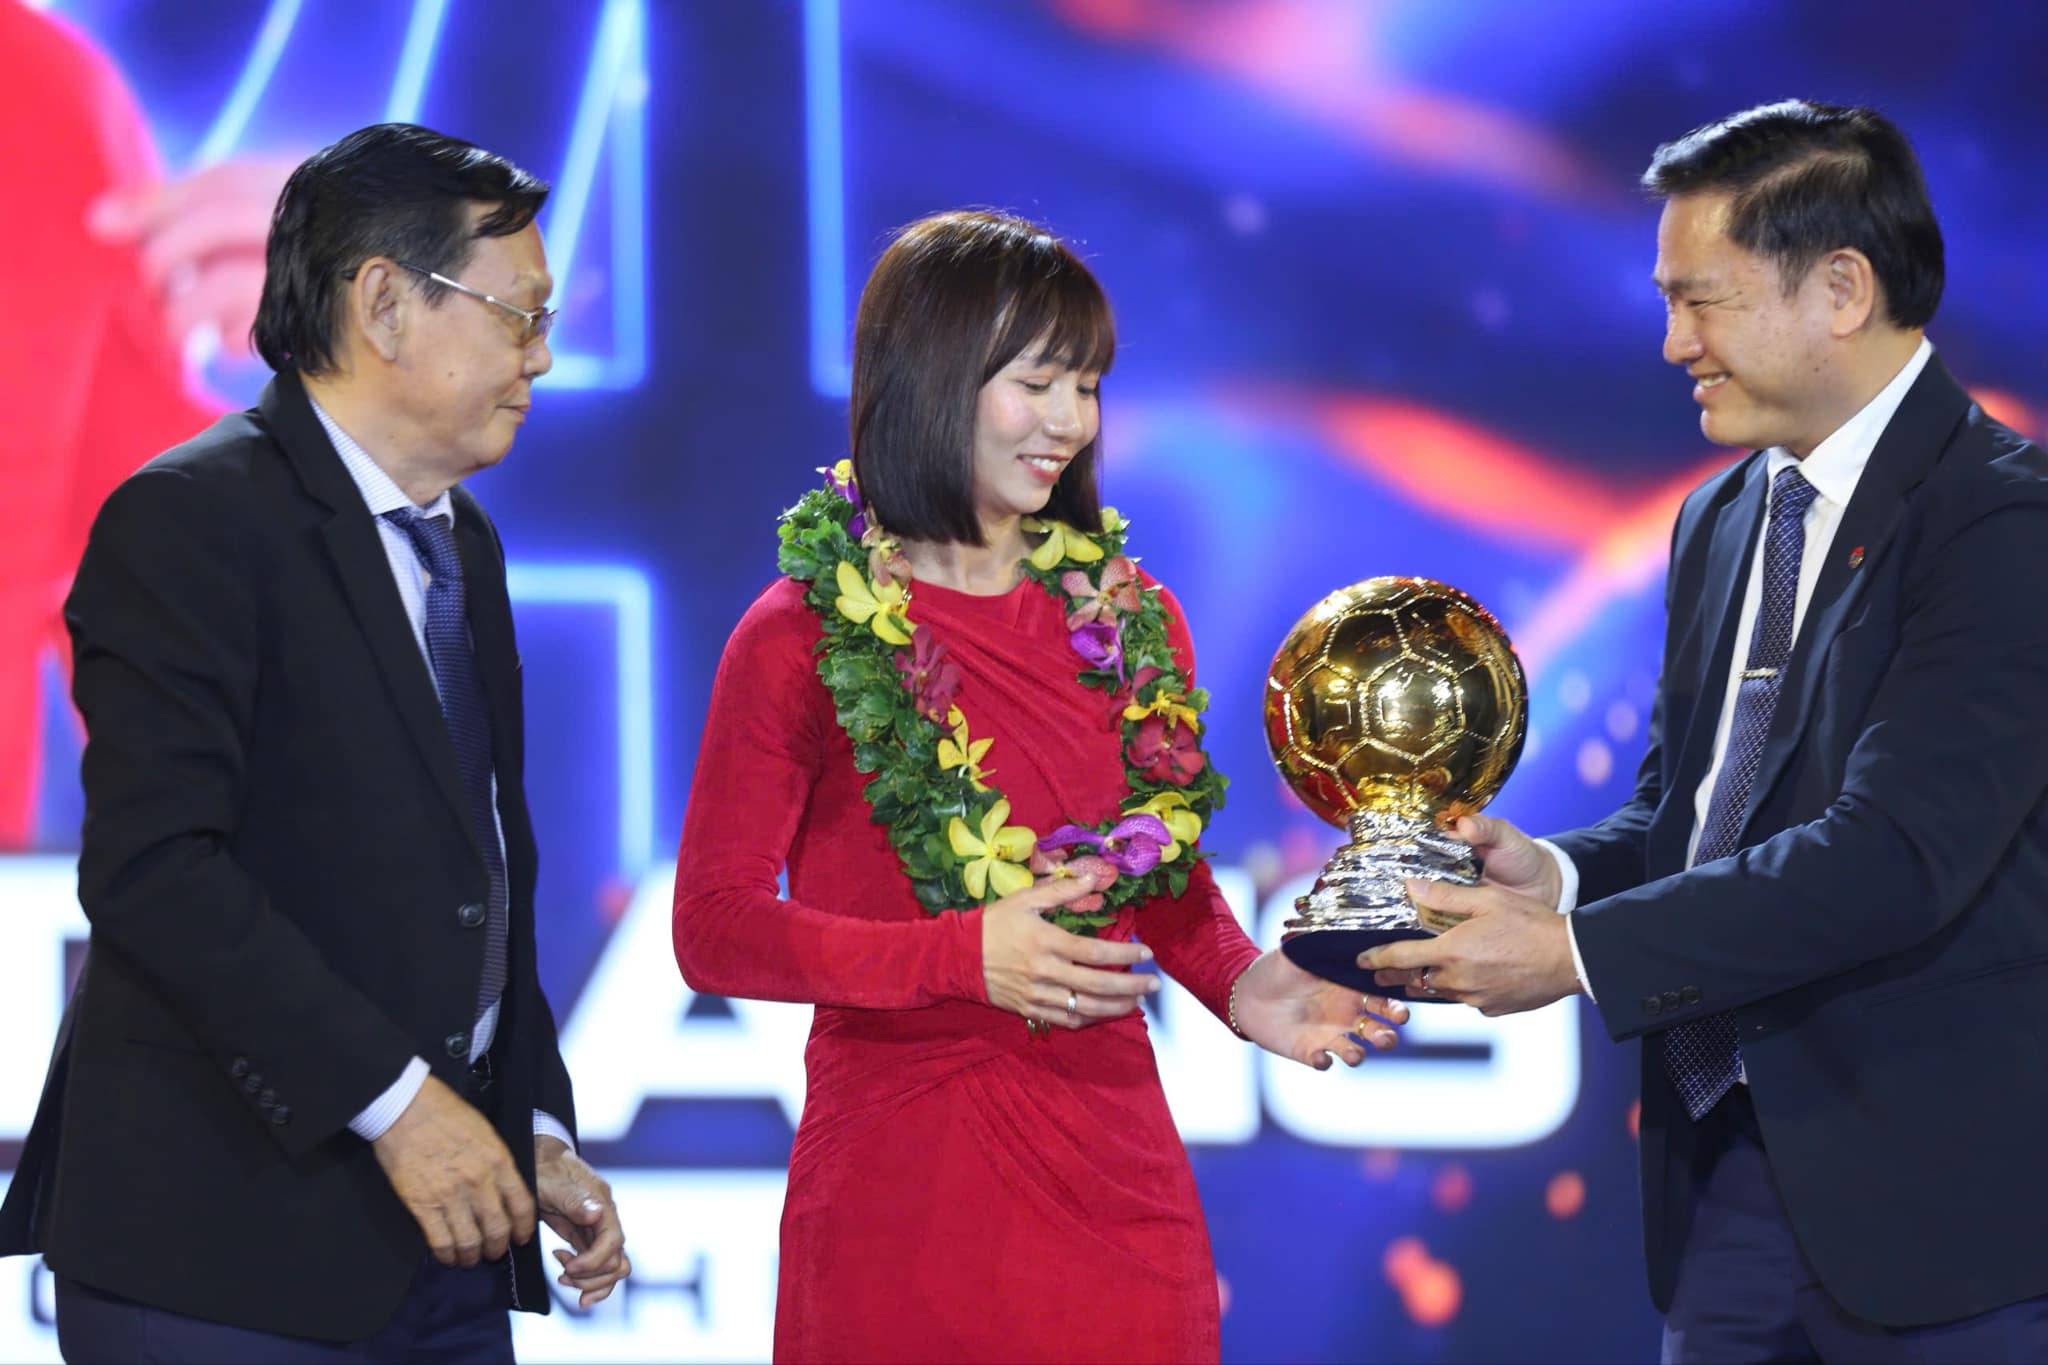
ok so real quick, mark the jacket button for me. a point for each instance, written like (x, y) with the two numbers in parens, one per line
(281, 1115)
(1653, 1004)
(268, 1099)
(238, 1068)
(251, 1083)
(458, 1045)
(1690, 995)
(1671, 1000)
(470, 916)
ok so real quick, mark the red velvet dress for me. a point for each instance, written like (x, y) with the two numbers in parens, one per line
(958, 1189)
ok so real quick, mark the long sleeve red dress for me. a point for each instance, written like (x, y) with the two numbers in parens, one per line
(958, 1189)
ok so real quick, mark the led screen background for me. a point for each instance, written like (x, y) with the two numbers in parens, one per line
(1382, 284)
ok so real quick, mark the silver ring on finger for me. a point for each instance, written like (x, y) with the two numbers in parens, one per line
(1427, 989)
(1073, 1004)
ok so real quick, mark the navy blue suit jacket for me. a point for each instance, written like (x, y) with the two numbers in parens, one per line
(1882, 934)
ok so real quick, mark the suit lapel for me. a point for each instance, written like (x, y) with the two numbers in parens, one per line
(351, 538)
(1909, 447)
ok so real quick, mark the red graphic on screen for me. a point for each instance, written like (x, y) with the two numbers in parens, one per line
(91, 381)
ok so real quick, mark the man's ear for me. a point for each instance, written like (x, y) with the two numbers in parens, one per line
(1853, 291)
(379, 306)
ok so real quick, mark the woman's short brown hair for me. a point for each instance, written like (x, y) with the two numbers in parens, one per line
(955, 298)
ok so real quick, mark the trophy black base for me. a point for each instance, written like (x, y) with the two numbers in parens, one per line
(1333, 955)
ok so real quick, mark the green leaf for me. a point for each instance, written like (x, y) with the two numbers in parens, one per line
(1100, 678)
(1088, 925)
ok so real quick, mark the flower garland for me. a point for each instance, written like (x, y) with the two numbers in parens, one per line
(895, 690)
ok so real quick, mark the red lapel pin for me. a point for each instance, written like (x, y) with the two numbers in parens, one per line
(1856, 558)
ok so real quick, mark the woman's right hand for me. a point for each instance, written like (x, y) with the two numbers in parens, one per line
(1034, 969)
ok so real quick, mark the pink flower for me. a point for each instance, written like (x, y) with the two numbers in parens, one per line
(887, 562)
(1054, 862)
(932, 679)
(1165, 751)
(1087, 602)
(1129, 695)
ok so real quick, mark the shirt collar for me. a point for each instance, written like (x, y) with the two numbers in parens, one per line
(1836, 464)
(380, 492)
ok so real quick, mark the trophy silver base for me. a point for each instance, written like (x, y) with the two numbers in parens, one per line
(1360, 901)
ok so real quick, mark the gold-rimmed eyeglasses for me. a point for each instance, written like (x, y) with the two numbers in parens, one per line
(538, 321)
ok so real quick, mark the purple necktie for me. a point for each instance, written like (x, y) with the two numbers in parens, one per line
(1703, 1055)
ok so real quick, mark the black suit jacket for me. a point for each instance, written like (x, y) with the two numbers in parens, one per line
(274, 865)
(1882, 935)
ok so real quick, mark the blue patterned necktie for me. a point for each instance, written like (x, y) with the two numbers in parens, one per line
(1703, 1055)
(468, 718)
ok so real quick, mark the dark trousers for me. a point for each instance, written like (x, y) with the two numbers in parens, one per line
(1746, 1293)
(449, 1314)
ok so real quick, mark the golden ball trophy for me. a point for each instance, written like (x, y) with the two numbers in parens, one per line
(1393, 707)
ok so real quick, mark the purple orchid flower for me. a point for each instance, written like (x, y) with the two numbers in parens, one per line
(1132, 845)
(846, 488)
(1100, 645)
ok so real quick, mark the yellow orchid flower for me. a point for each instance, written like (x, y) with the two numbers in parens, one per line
(884, 606)
(958, 751)
(842, 470)
(1181, 822)
(997, 855)
(1062, 542)
(1165, 702)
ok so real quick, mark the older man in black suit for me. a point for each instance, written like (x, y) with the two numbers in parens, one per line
(307, 1102)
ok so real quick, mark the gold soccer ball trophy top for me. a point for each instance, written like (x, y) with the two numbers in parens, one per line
(1393, 707)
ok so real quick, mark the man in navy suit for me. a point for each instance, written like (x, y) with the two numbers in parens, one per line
(1825, 909)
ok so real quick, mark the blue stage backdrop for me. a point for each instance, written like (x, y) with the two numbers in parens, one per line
(1383, 288)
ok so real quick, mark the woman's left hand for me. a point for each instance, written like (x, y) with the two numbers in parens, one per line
(1286, 1010)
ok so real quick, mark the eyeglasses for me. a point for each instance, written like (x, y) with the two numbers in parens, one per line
(539, 321)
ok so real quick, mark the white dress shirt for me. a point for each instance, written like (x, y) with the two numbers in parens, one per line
(382, 494)
(1834, 468)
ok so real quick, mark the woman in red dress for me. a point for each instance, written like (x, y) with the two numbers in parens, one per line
(986, 1168)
